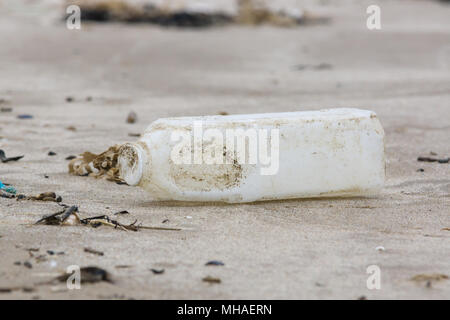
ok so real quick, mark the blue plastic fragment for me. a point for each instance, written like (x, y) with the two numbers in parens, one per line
(25, 116)
(11, 190)
(7, 189)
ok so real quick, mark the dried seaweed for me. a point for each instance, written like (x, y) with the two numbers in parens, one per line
(250, 12)
(6, 159)
(119, 10)
(69, 216)
(93, 251)
(107, 221)
(61, 217)
(429, 277)
(210, 279)
(132, 134)
(157, 271)
(103, 165)
(430, 159)
(214, 263)
(121, 212)
(45, 196)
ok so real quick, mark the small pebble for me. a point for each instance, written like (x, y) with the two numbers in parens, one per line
(157, 271)
(132, 117)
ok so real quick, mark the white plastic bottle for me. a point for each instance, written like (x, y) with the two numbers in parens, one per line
(255, 157)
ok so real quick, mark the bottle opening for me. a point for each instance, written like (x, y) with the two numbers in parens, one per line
(131, 161)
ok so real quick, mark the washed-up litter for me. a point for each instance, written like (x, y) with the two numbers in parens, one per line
(428, 279)
(103, 165)
(93, 251)
(249, 12)
(189, 171)
(7, 191)
(167, 180)
(214, 263)
(430, 159)
(5, 159)
(210, 279)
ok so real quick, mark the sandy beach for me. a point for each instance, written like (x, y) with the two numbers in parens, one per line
(80, 85)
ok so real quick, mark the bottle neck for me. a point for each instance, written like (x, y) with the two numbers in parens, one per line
(131, 160)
